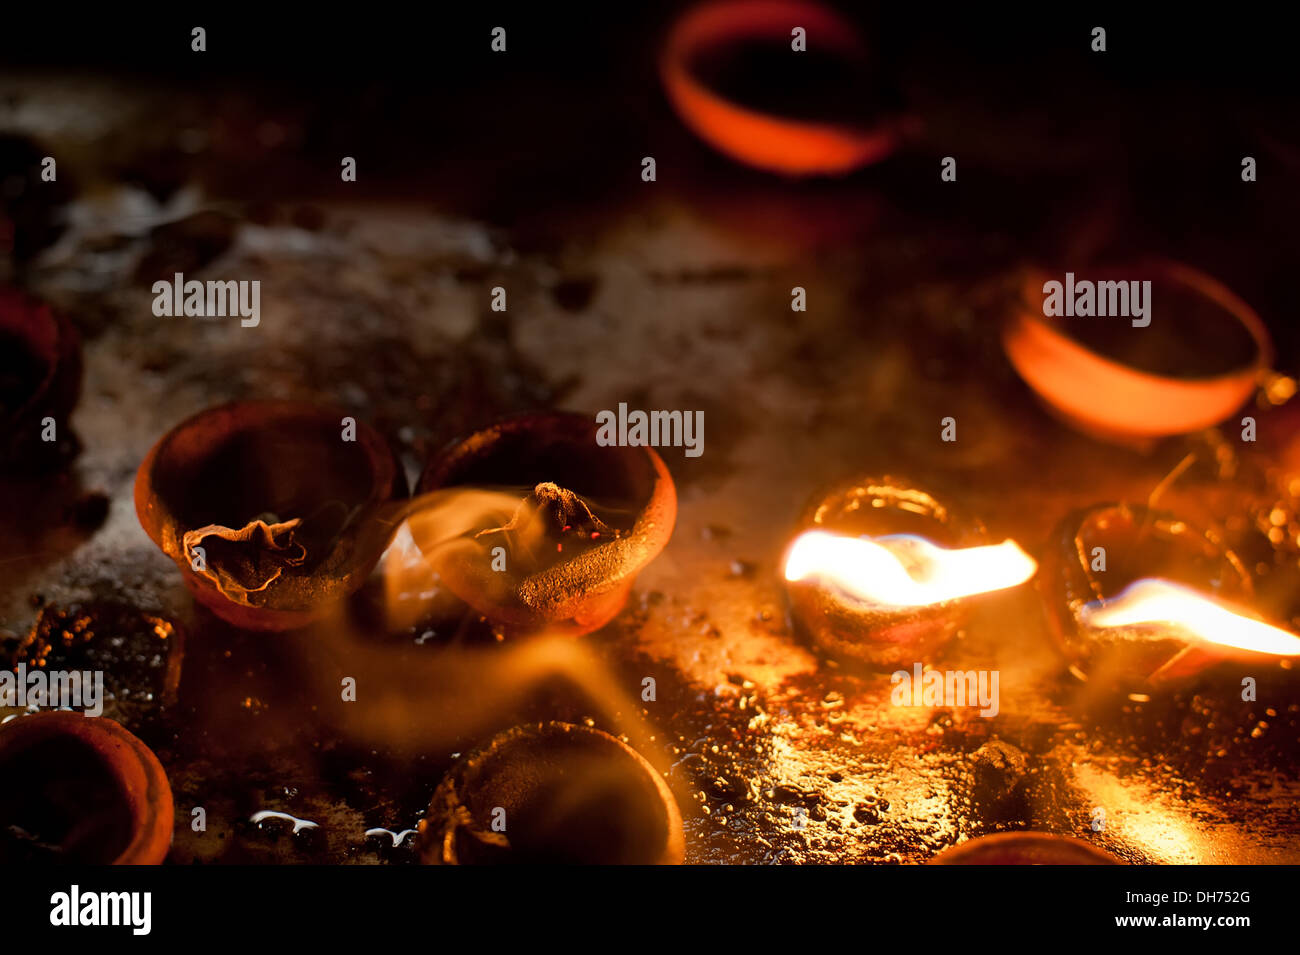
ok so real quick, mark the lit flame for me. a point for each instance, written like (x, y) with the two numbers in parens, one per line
(466, 530)
(1150, 602)
(445, 521)
(901, 570)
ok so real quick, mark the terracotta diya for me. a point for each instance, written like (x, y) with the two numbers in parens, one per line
(589, 518)
(1201, 357)
(883, 574)
(80, 790)
(731, 73)
(552, 793)
(40, 376)
(1025, 848)
(1138, 598)
(271, 513)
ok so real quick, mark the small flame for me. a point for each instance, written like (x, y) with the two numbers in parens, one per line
(901, 570)
(445, 521)
(1198, 618)
(471, 524)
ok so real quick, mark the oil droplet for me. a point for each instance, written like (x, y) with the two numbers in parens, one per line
(397, 837)
(298, 824)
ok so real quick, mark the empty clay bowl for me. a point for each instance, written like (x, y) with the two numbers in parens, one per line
(80, 790)
(1199, 360)
(731, 73)
(553, 793)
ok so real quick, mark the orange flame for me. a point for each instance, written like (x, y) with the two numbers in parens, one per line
(1195, 617)
(448, 517)
(901, 570)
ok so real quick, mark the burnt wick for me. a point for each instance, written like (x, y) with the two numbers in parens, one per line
(247, 560)
(553, 513)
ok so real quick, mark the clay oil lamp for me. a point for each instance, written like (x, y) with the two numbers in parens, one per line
(83, 790)
(731, 74)
(274, 511)
(1025, 848)
(587, 519)
(40, 378)
(883, 574)
(1202, 355)
(553, 793)
(1139, 599)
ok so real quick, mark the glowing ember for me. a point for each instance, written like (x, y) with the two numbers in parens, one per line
(1152, 602)
(902, 570)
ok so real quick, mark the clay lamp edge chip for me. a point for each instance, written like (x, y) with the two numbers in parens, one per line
(547, 778)
(341, 569)
(1109, 399)
(583, 592)
(134, 768)
(1025, 848)
(780, 144)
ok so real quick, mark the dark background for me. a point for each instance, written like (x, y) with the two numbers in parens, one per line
(1148, 136)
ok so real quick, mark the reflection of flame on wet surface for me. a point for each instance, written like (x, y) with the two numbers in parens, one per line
(902, 570)
(550, 511)
(1158, 603)
(1140, 817)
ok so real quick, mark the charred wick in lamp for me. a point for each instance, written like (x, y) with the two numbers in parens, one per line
(271, 517)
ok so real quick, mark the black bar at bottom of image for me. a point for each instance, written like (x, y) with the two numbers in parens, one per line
(322, 905)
